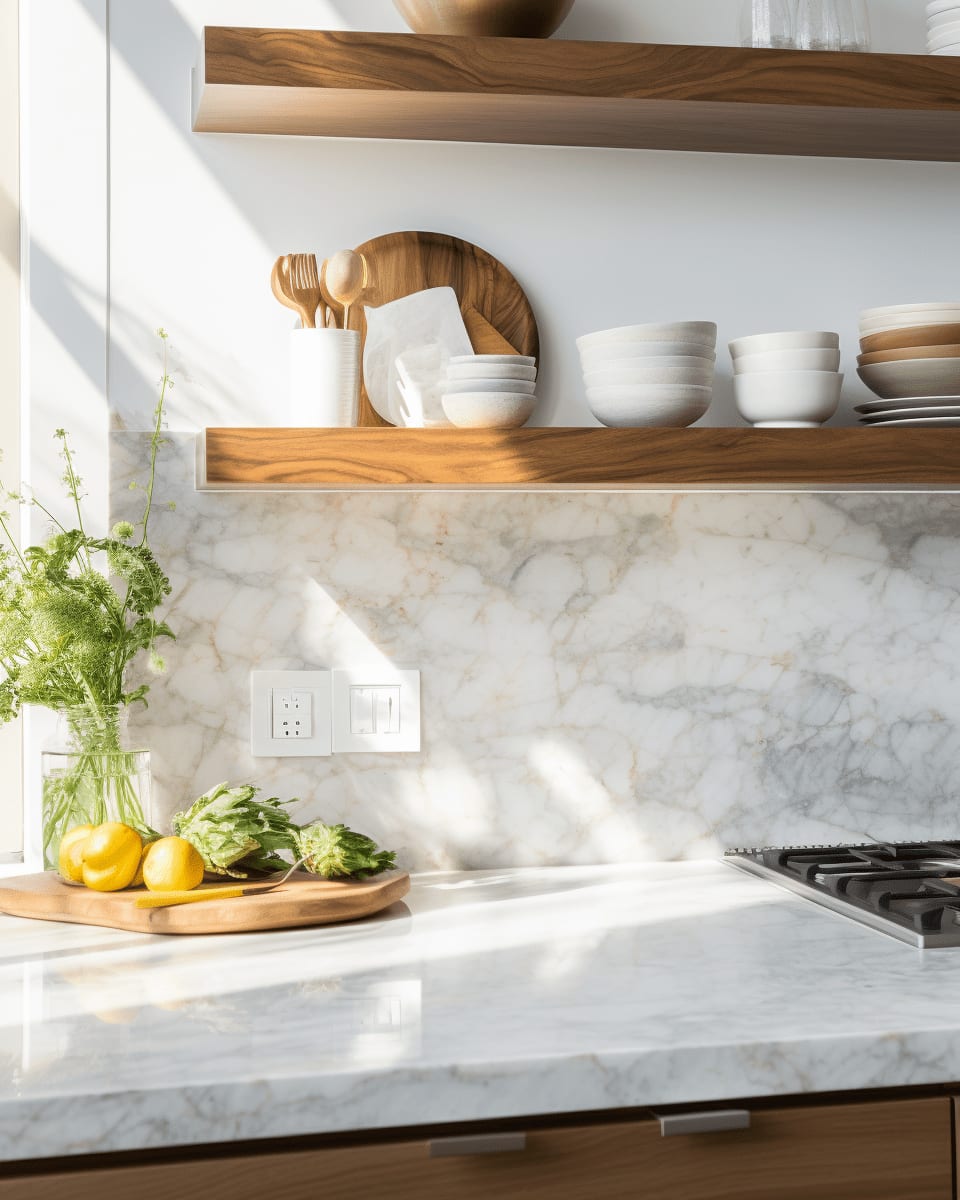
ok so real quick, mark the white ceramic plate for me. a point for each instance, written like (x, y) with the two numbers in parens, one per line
(916, 423)
(890, 406)
(913, 377)
(911, 414)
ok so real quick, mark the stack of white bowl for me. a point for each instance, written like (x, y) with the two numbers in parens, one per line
(787, 380)
(650, 374)
(490, 391)
(943, 27)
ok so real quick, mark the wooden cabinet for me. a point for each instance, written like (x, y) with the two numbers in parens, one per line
(887, 1150)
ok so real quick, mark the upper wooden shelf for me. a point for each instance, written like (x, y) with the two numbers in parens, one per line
(565, 93)
(583, 459)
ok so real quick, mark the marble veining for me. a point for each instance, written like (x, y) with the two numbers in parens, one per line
(492, 994)
(605, 677)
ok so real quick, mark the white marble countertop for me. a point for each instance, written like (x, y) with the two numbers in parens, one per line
(497, 994)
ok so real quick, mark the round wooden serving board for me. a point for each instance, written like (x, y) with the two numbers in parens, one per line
(404, 263)
(304, 900)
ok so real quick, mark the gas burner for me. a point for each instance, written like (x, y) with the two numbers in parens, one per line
(909, 890)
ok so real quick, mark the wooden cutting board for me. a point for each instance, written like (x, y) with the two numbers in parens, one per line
(302, 901)
(404, 263)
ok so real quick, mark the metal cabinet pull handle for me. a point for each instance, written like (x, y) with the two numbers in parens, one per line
(483, 1143)
(719, 1121)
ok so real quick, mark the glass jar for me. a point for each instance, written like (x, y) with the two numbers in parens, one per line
(91, 776)
(767, 24)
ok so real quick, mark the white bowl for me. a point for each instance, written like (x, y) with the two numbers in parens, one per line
(495, 360)
(936, 316)
(953, 51)
(788, 360)
(935, 7)
(701, 333)
(937, 21)
(636, 354)
(945, 35)
(765, 343)
(905, 310)
(784, 398)
(913, 377)
(667, 370)
(670, 405)
(488, 410)
(470, 370)
(459, 387)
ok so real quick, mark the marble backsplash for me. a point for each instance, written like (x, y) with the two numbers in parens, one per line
(605, 677)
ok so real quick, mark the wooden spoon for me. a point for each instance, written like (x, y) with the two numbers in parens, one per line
(280, 282)
(346, 277)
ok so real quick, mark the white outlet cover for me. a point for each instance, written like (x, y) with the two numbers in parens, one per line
(365, 716)
(263, 684)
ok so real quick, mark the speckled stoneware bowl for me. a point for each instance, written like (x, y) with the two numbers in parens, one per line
(485, 18)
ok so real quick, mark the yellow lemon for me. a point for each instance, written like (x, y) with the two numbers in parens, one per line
(111, 857)
(172, 865)
(71, 852)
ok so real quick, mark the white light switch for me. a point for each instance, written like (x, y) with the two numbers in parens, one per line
(376, 711)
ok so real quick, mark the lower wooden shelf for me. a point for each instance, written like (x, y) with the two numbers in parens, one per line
(583, 459)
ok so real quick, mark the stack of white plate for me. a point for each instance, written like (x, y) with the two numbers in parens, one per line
(943, 27)
(490, 391)
(646, 375)
(787, 380)
(910, 357)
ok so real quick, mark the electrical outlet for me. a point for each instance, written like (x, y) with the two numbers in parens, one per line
(376, 711)
(290, 714)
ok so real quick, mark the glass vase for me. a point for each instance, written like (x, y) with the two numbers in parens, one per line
(90, 775)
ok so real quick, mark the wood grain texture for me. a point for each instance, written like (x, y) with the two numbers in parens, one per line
(557, 458)
(899, 1150)
(918, 335)
(403, 263)
(513, 90)
(301, 902)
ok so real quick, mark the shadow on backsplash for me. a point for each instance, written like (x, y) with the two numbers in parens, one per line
(605, 677)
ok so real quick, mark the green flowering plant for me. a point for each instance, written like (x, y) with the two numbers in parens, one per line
(75, 612)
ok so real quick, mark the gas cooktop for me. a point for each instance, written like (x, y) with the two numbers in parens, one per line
(909, 890)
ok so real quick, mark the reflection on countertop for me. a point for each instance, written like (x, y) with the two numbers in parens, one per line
(490, 994)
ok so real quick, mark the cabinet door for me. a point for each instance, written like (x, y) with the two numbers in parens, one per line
(885, 1151)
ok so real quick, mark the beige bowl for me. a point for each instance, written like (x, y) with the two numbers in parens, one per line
(485, 18)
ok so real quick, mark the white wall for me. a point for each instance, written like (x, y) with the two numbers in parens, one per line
(597, 237)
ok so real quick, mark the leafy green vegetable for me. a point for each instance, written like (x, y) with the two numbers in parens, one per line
(237, 834)
(335, 852)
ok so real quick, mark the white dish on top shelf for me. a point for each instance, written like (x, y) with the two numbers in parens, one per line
(910, 414)
(937, 21)
(951, 51)
(870, 407)
(935, 7)
(649, 405)
(913, 377)
(458, 387)
(488, 410)
(665, 370)
(909, 320)
(946, 35)
(700, 333)
(788, 360)
(788, 398)
(473, 370)
(765, 343)
(622, 356)
(916, 423)
(496, 360)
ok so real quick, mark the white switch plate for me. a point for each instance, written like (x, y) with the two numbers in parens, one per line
(376, 710)
(290, 714)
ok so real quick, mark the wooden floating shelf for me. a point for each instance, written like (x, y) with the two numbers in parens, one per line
(566, 93)
(583, 459)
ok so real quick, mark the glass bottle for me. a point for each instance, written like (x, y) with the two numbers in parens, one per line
(767, 24)
(818, 25)
(854, 25)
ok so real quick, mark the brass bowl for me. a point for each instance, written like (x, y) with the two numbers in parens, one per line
(485, 18)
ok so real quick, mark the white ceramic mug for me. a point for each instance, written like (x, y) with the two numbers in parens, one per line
(325, 378)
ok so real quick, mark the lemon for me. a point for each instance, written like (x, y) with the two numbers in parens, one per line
(172, 865)
(111, 857)
(71, 852)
